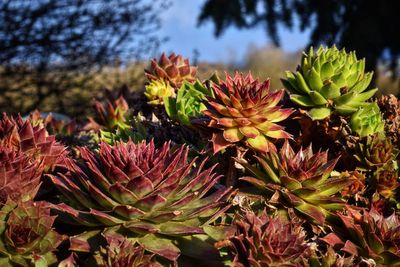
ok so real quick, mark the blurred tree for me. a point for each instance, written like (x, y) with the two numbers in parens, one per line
(368, 26)
(47, 46)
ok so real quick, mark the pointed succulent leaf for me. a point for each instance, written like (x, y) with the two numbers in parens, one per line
(314, 80)
(302, 100)
(362, 85)
(317, 98)
(302, 85)
(319, 113)
(314, 213)
(362, 97)
(160, 246)
(330, 91)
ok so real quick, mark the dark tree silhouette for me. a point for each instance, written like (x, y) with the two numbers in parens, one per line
(368, 26)
(46, 44)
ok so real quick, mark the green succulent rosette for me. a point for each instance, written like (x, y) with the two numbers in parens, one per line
(26, 235)
(156, 90)
(137, 132)
(329, 80)
(376, 152)
(188, 102)
(367, 120)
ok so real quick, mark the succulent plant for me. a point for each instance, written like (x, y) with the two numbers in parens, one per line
(27, 236)
(109, 116)
(137, 132)
(156, 194)
(367, 235)
(19, 176)
(330, 259)
(60, 127)
(243, 109)
(173, 69)
(377, 158)
(303, 181)
(33, 141)
(367, 120)
(124, 253)
(70, 261)
(261, 240)
(375, 152)
(52, 124)
(385, 181)
(188, 102)
(156, 90)
(355, 188)
(329, 80)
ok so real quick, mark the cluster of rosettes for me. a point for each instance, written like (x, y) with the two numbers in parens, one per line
(26, 234)
(133, 202)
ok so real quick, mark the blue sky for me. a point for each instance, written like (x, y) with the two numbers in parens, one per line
(179, 23)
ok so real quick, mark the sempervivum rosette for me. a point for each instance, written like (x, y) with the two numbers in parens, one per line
(368, 236)
(124, 253)
(302, 180)
(329, 80)
(173, 69)
(26, 235)
(188, 102)
(267, 241)
(244, 109)
(155, 193)
(61, 127)
(375, 152)
(19, 176)
(367, 120)
(110, 115)
(377, 158)
(157, 90)
(31, 140)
